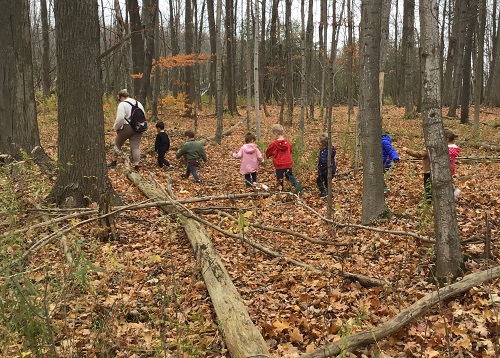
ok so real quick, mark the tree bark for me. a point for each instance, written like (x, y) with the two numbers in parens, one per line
(492, 95)
(219, 107)
(137, 42)
(18, 121)
(82, 173)
(213, 48)
(448, 248)
(479, 70)
(150, 7)
(466, 79)
(45, 49)
(409, 57)
(384, 44)
(189, 44)
(174, 43)
(230, 44)
(258, 132)
(371, 124)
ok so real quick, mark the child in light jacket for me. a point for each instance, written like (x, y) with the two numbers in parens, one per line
(250, 156)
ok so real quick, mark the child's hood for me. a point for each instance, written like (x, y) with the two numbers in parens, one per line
(386, 138)
(249, 148)
(282, 144)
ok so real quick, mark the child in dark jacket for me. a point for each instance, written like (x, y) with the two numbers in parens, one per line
(192, 151)
(322, 179)
(281, 151)
(162, 145)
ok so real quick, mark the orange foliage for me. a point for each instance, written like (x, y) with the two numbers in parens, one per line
(182, 60)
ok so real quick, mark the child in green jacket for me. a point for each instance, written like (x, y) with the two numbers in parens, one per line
(192, 151)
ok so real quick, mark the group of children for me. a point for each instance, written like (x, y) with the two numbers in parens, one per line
(281, 152)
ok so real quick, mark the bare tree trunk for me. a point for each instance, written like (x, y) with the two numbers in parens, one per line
(478, 88)
(248, 50)
(230, 60)
(150, 8)
(218, 78)
(189, 44)
(157, 79)
(137, 42)
(309, 59)
(459, 60)
(350, 65)
(82, 176)
(174, 43)
(303, 86)
(448, 248)
(273, 53)
(323, 34)
(466, 80)
(408, 57)
(492, 95)
(374, 205)
(45, 49)
(213, 49)
(289, 61)
(18, 121)
(384, 43)
(258, 132)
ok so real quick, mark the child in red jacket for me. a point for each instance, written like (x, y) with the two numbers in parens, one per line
(281, 151)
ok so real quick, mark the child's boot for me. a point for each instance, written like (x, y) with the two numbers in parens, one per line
(279, 185)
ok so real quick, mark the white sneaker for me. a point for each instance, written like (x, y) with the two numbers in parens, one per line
(456, 192)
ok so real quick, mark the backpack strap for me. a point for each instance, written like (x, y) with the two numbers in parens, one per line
(133, 106)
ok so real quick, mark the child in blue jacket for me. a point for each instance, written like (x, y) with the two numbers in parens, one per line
(322, 179)
(389, 154)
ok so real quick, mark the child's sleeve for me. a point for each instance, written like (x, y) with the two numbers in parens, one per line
(167, 142)
(260, 158)
(157, 142)
(238, 155)
(270, 150)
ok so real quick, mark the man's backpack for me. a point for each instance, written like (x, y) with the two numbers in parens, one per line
(137, 119)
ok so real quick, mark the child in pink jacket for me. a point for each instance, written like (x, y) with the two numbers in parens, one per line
(250, 156)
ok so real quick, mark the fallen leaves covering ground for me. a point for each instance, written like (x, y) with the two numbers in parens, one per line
(144, 296)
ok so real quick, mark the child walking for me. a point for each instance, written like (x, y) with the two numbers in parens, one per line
(162, 145)
(281, 151)
(426, 168)
(389, 155)
(192, 151)
(454, 152)
(323, 178)
(250, 156)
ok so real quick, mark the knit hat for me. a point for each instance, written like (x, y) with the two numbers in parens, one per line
(448, 133)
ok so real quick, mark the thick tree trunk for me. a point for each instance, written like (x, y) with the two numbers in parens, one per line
(137, 42)
(213, 48)
(448, 248)
(174, 43)
(466, 80)
(82, 173)
(18, 122)
(230, 43)
(371, 124)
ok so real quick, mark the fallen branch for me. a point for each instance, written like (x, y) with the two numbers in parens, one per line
(394, 324)
(224, 134)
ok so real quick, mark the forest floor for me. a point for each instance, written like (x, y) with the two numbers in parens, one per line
(143, 296)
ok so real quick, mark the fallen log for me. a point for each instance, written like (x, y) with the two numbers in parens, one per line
(394, 324)
(243, 339)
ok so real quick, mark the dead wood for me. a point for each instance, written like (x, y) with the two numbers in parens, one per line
(242, 337)
(394, 324)
(365, 281)
(224, 134)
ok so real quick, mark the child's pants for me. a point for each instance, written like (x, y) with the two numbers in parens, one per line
(250, 178)
(288, 174)
(191, 169)
(322, 181)
(161, 159)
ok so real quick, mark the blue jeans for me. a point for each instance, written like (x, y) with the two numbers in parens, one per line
(191, 169)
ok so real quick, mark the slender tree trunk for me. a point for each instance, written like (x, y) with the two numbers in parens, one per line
(273, 53)
(137, 42)
(157, 76)
(174, 43)
(323, 34)
(82, 175)
(384, 44)
(45, 49)
(303, 75)
(309, 59)
(150, 8)
(409, 57)
(492, 95)
(350, 64)
(230, 43)
(248, 50)
(218, 78)
(189, 44)
(256, 42)
(213, 48)
(459, 60)
(452, 53)
(467, 65)
(478, 88)
(289, 60)
(448, 247)
(374, 205)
